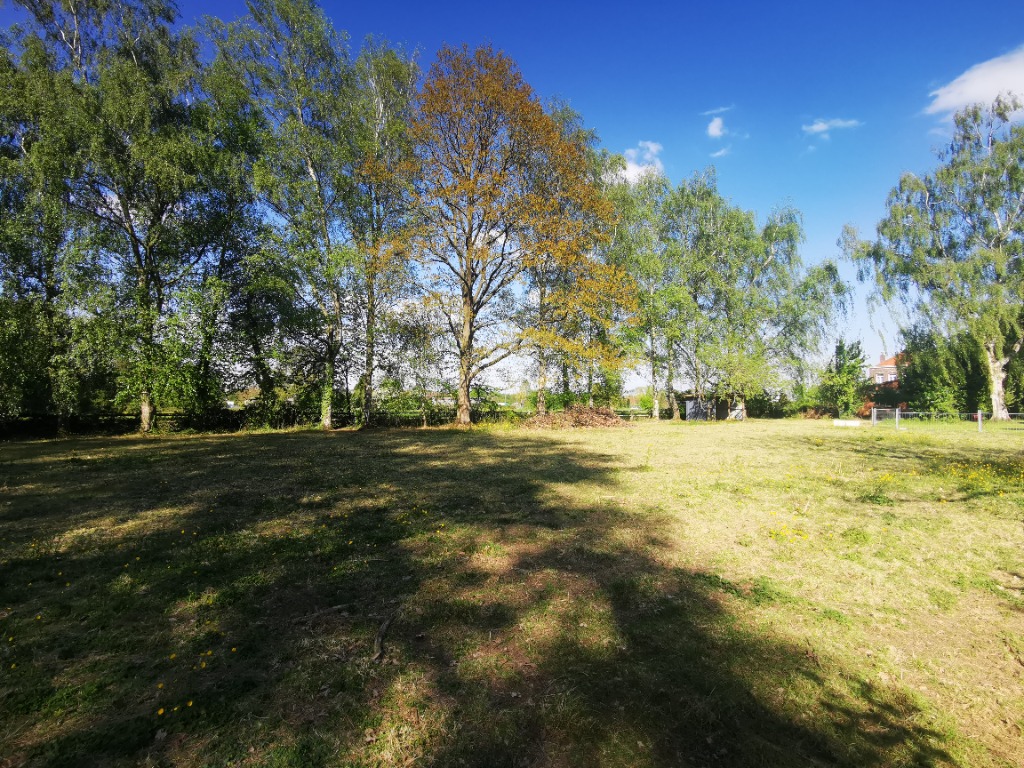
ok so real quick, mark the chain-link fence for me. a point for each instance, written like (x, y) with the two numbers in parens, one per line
(977, 421)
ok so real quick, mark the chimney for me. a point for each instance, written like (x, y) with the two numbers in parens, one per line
(881, 358)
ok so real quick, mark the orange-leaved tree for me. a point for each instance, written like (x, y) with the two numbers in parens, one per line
(576, 294)
(490, 158)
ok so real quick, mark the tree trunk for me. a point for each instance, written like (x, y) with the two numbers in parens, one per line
(542, 386)
(261, 371)
(145, 412)
(327, 393)
(997, 382)
(673, 404)
(369, 361)
(590, 385)
(207, 397)
(655, 405)
(464, 415)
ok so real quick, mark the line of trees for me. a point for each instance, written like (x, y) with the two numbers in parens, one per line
(186, 213)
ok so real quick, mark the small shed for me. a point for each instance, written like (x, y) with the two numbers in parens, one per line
(714, 409)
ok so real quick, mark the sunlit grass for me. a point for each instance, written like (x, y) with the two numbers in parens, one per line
(767, 593)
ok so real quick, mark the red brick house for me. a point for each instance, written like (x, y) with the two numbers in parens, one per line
(886, 371)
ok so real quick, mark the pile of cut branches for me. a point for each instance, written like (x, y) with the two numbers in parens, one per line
(576, 416)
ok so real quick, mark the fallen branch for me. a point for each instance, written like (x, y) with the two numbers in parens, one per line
(325, 611)
(378, 642)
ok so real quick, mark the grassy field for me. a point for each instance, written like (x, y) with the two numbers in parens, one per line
(754, 594)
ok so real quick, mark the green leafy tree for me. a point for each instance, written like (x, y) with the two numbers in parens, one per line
(379, 204)
(146, 184)
(38, 150)
(843, 386)
(639, 245)
(300, 80)
(952, 242)
(940, 374)
(741, 310)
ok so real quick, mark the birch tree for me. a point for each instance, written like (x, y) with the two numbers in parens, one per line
(147, 181)
(378, 211)
(952, 242)
(301, 81)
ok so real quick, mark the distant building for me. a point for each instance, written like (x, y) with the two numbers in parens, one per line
(713, 409)
(886, 371)
(884, 378)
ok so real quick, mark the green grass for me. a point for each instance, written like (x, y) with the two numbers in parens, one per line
(756, 594)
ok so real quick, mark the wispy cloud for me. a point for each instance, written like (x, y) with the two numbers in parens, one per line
(722, 152)
(717, 111)
(981, 84)
(716, 128)
(641, 160)
(823, 128)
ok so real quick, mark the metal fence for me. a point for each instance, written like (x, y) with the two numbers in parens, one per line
(977, 421)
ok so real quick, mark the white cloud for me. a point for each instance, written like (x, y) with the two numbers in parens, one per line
(822, 128)
(717, 111)
(722, 152)
(716, 128)
(981, 84)
(642, 159)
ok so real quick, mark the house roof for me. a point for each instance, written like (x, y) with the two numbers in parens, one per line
(888, 362)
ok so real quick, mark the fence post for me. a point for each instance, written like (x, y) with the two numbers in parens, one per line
(874, 416)
(979, 421)
(897, 418)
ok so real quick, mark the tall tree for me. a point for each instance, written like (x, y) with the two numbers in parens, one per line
(573, 292)
(952, 242)
(936, 373)
(299, 75)
(484, 218)
(378, 210)
(741, 307)
(39, 150)
(843, 385)
(145, 185)
(640, 246)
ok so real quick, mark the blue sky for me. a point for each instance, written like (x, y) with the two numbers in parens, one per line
(816, 105)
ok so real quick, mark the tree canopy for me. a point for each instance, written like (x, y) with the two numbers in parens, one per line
(952, 242)
(323, 233)
(497, 176)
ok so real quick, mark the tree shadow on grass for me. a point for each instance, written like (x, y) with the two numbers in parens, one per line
(218, 600)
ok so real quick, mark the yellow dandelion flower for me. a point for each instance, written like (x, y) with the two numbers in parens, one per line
(173, 656)
(160, 711)
(190, 703)
(159, 685)
(233, 650)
